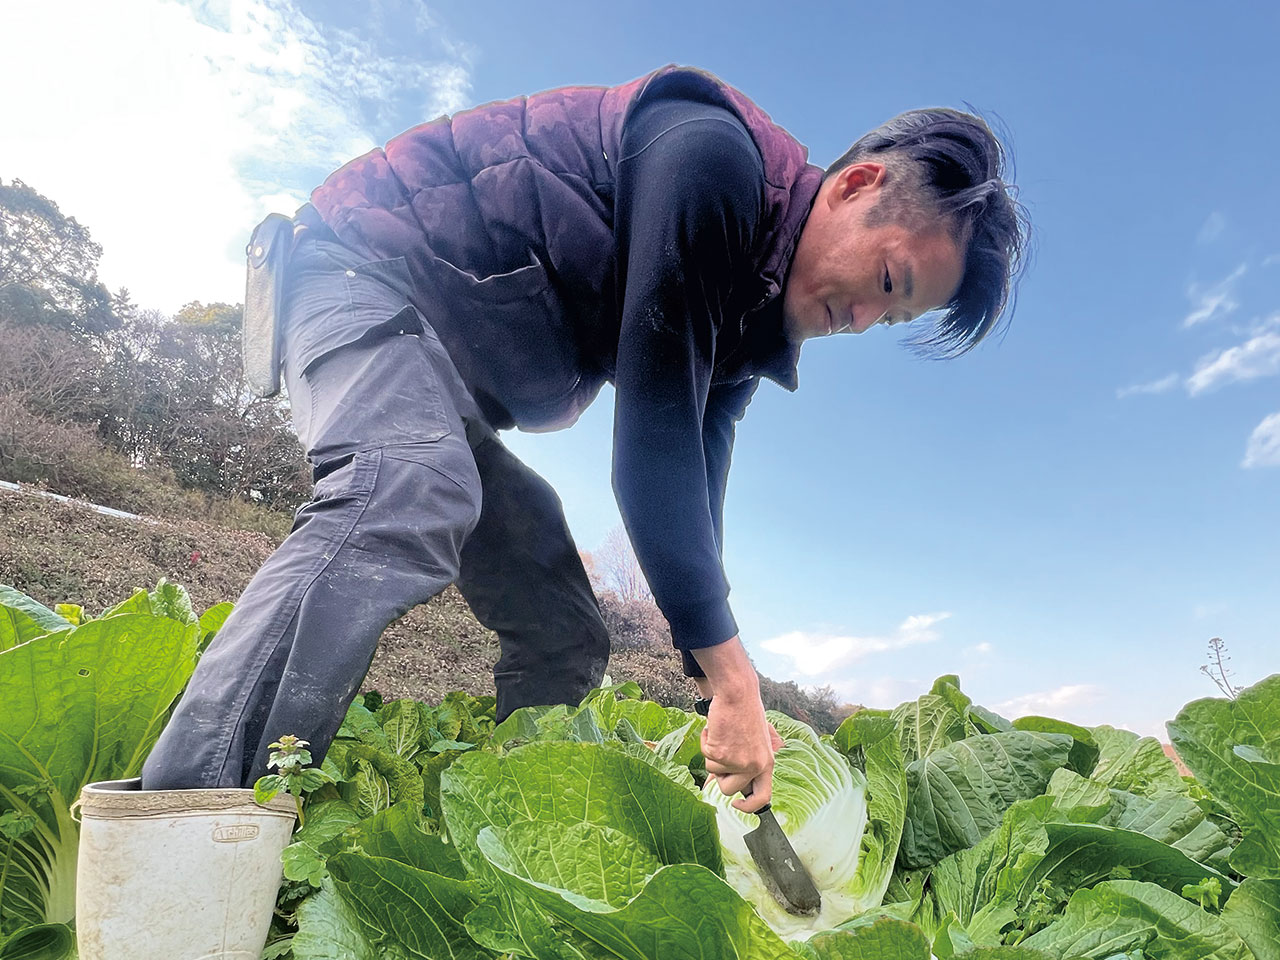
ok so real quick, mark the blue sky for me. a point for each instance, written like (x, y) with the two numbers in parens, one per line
(1063, 517)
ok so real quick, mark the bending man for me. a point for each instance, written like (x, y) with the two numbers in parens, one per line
(494, 270)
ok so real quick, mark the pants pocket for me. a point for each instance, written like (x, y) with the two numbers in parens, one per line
(379, 391)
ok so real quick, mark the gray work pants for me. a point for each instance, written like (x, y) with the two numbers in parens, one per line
(400, 455)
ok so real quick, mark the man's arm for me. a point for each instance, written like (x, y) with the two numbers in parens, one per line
(689, 197)
(737, 685)
(725, 407)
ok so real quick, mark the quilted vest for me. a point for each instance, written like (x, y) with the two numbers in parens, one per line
(503, 215)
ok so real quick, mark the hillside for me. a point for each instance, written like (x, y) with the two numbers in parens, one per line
(66, 552)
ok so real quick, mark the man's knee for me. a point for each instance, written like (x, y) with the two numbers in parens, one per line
(420, 503)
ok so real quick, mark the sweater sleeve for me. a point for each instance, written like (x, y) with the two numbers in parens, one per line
(690, 187)
(725, 407)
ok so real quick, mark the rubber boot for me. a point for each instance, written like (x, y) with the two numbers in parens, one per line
(177, 874)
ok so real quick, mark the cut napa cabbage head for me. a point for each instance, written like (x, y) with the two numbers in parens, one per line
(820, 801)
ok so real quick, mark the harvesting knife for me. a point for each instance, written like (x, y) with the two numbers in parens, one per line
(782, 871)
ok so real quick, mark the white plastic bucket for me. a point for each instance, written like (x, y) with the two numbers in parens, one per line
(177, 874)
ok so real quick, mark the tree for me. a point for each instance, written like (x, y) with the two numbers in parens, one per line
(178, 397)
(618, 569)
(50, 372)
(589, 565)
(632, 618)
(49, 266)
(167, 393)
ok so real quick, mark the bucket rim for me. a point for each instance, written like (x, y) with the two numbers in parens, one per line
(126, 798)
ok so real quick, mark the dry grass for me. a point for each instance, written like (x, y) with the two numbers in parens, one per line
(58, 552)
(67, 553)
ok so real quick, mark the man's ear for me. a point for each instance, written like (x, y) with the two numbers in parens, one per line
(857, 179)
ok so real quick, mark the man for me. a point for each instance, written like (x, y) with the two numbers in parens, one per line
(494, 269)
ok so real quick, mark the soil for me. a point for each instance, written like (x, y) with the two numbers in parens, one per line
(58, 552)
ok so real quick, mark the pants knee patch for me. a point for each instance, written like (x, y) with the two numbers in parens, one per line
(423, 505)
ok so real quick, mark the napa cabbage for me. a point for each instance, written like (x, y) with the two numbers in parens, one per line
(845, 822)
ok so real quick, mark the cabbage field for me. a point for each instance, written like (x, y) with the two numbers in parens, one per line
(937, 828)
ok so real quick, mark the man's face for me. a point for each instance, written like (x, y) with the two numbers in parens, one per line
(846, 276)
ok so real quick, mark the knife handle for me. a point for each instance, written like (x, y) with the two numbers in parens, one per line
(746, 795)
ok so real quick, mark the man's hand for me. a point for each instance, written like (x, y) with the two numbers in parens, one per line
(737, 742)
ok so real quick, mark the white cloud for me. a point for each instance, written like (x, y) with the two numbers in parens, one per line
(1088, 705)
(1264, 444)
(881, 693)
(1213, 226)
(1272, 260)
(1215, 302)
(980, 648)
(815, 654)
(1203, 611)
(1062, 702)
(1163, 385)
(1259, 356)
(171, 128)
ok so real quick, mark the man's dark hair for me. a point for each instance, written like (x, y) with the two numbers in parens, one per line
(944, 164)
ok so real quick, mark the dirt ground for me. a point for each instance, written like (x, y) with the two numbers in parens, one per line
(65, 553)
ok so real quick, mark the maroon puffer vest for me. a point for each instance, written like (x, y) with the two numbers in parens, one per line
(504, 217)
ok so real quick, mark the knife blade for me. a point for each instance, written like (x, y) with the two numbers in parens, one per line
(782, 871)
